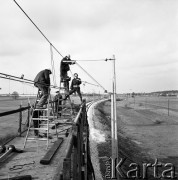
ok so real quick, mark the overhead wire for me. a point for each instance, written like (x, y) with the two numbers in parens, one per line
(92, 60)
(84, 81)
(90, 83)
(91, 77)
(38, 29)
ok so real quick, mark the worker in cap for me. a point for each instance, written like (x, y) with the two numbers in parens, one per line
(75, 87)
(64, 68)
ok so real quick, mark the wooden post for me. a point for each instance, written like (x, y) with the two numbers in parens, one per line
(20, 122)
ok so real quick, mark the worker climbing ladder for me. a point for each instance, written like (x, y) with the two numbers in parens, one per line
(43, 119)
(66, 103)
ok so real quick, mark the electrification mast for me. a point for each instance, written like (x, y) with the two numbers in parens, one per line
(114, 124)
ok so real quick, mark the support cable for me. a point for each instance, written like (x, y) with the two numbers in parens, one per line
(91, 77)
(73, 60)
(38, 29)
(84, 81)
(90, 83)
(91, 60)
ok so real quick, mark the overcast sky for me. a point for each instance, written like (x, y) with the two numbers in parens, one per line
(143, 36)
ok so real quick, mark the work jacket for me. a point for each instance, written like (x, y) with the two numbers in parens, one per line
(42, 78)
(75, 83)
(65, 66)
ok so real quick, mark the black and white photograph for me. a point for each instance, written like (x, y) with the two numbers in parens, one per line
(88, 89)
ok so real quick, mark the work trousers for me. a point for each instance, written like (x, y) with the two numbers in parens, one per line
(58, 103)
(44, 94)
(77, 89)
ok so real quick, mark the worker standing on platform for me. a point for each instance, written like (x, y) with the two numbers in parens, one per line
(42, 82)
(75, 87)
(64, 68)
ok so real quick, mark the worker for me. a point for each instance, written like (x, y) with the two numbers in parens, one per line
(42, 82)
(66, 83)
(58, 103)
(75, 87)
(64, 68)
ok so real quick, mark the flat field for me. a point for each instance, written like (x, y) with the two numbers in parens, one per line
(9, 124)
(146, 132)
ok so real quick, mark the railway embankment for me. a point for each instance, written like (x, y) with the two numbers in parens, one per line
(147, 141)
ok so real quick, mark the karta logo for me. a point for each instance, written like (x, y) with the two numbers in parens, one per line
(156, 170)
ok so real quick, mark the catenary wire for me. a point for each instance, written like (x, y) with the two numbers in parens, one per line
(91, 77)
(38, 29)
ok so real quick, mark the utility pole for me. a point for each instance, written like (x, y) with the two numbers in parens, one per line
(114, 124)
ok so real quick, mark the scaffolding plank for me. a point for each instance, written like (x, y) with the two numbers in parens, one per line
(25, 177)
(49, 155)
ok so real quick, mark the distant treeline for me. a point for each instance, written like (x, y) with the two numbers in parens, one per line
(159, 93)
(167, 92)
(93, 94)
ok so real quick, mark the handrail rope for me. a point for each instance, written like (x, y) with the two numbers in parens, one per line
(14, 111)
(38, 29)
(91, 77)
(17, 110)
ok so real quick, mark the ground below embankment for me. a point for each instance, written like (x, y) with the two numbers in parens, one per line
(147, 140)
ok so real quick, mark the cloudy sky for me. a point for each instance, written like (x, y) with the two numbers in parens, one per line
(143, 36)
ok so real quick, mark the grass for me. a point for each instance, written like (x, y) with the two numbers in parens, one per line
(155, 100)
